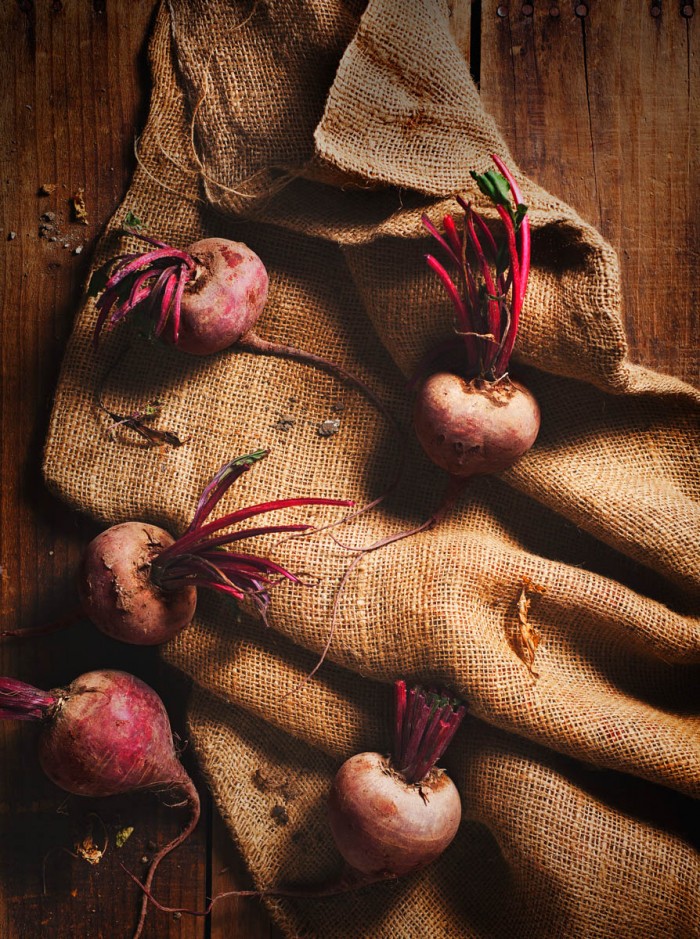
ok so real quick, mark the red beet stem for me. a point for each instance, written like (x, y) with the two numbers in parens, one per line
(453, 237)
(186, 543)
(222, 481)
(161, 275)
(426, 721)
(493, 306)
(452, 249)
(524, 234)
(198, 558)
(508, 338)
(466, 307)
(400, 698)
(22, 702)
(463, 314)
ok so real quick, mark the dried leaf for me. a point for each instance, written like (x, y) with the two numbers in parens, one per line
(46, 189)
(78, 206)
(123, 836)
(136, 422)
(89, 851)
(528, 637)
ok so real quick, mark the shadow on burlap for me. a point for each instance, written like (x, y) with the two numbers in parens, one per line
(574, 784)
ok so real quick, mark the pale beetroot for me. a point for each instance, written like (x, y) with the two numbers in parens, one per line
(477, 426)
(471, 417)
(139, 585)
(106, 734)
(392, 816)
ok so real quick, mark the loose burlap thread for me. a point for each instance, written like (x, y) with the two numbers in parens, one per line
(321, 150)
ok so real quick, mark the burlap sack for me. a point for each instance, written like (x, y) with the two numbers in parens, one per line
(575, 783)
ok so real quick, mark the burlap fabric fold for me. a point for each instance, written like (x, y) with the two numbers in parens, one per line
(318, 132)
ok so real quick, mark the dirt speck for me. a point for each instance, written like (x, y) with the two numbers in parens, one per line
(328, 428)
(279, 815)
(285, 424)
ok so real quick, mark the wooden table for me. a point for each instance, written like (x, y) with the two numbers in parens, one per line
(599, 102)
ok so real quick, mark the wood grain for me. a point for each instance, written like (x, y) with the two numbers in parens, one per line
(77, 81)
(601, 109)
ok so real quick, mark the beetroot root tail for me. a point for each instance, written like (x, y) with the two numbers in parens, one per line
(345, 884)
(63, 622)
(192, 797)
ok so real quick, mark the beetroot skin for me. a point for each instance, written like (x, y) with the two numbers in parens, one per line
(109, 733)
(117, 592)
(224, 297)
(383, 824)
(474, 427)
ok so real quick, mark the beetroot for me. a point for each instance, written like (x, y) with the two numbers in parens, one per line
(117, 591)
(202, 300)
(471, 417)
(390, 817)
(477, 426)
(139, 585)
(106, 734)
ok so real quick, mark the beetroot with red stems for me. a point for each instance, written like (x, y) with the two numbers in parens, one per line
(139, 585)
(392, 816)
(471, 417)
(106, 734)
(202, 300)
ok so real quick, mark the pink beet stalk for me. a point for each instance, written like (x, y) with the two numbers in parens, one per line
(470, 417)
(485, 310)
(22, 702)
(424, 727)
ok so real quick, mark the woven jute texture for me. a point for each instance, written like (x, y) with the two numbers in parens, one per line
(319, 131)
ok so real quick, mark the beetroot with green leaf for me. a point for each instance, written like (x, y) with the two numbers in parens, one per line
(471, 417)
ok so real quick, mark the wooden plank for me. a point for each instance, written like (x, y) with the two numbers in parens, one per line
(234, 918)
(602, 110)
(461, 23)
(74, 77)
